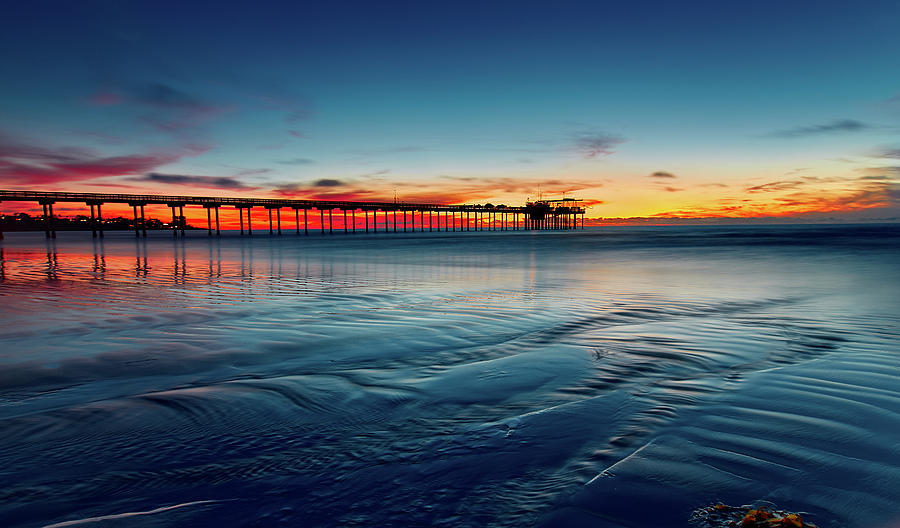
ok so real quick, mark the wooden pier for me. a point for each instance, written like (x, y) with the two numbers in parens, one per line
(540, 215)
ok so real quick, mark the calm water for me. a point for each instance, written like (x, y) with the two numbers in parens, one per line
(610, 377)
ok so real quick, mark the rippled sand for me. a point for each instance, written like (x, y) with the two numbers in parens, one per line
(619, 377)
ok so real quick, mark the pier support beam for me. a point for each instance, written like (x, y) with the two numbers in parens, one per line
(271, 231)
(46, 220)
(52, 226)
(218, 232)
(322, 221)
(241, 214)
(144, 221)
(137, 226)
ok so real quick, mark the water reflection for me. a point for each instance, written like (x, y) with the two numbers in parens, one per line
(432, 380)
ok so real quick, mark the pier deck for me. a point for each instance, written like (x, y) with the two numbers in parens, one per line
(540, 215)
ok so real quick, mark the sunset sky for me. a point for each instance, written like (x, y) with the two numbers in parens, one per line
(642, 109)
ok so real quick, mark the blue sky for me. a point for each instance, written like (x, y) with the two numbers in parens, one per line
(461, 101)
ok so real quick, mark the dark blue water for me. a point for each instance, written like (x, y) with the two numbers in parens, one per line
(607, 377)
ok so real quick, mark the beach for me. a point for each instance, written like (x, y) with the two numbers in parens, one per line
(619, 376)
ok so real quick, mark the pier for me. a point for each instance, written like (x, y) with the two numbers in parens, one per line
(397, 216)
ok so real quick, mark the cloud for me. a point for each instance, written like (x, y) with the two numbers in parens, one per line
(310, 192)
(297, 161)
(375, 174)
(889, 153)
(365, 154)
(293, 107)
(838, 126)
(216, 182)
(24, 163)
(457, 190)
(164, 96)
(172, 110)
(661, 174)
(297, 115)
(328, 182)
(251, 172)
(881, 173)
(592, 145)
(672, 189)
(776, 186)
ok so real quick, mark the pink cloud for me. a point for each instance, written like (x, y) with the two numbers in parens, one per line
(22, 163)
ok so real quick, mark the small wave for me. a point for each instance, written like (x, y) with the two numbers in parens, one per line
(128, 514)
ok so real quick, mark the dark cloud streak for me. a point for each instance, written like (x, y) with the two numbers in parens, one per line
(328, 182)
(838, 126)
(217, 182)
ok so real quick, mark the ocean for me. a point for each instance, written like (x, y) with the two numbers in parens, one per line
(603, 377)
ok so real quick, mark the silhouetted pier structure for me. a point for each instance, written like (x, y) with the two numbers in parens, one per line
(540, 215)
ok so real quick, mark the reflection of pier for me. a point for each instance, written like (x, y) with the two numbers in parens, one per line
(541, 215)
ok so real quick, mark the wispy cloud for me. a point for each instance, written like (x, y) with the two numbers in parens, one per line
(311, 191)
(783, 185)
(672, 189)
(375, 174)
(297, 161)
(881, 173)
(360, 155)
(25, 163)
(594, 145)
(837, 126)
(889, 152)
(165, 96)
(170, 109)
(457, 190)
(252, 172)
(297, 115)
